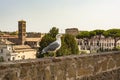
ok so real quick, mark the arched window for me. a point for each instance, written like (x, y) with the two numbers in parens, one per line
(13, 58)
(8, 59)
(1, 50)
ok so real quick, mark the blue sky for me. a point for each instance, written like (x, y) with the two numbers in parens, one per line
(42, 15)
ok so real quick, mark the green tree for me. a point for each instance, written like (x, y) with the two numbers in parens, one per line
(1, 33)
(53, 32)
(98, 32)
(64, 50)
(69, 46)
(71, 43)
(92, 33)
(13, 33)
(46, 40)
(83, 34)
(114, 33)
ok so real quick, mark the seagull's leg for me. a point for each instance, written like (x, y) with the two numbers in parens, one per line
(54, 54)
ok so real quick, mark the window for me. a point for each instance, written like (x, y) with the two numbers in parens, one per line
(91, 43)
(9, 48)
(112, 44)
(23, 57)
(1, 50)
(13, 58)
(99, 44)
(1, 59)
(118, 44)
(102, 44)
(80, 43)
(8, 59)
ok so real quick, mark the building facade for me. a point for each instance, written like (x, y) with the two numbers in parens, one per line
(31, 39)
(95, 43)
(10, 52)
(33, 42)
(72, 31)
(5, 49)
(33, 35)
(21, 32)
(19, 47)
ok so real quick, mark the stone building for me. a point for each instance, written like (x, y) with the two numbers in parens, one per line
(22, 32)
(5, 49)
(21, 52)
(9, 51)
(19, 47)
(22, 38)
(33, 42)
(72, 31)
(97, 44)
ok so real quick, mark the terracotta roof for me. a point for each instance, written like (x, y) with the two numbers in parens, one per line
(4, 41)
(8, 36)
(33, 39)
(19, 48)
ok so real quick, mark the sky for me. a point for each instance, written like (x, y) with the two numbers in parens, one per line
(42, 15)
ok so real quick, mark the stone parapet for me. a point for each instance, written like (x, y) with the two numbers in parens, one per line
(99, 66)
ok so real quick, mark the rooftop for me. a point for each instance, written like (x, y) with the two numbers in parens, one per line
(24, 48)
(4, 41)
(33, 39)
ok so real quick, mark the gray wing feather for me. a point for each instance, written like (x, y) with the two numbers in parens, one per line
(53, 46)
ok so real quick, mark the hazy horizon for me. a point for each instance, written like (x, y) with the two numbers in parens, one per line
(42, 15)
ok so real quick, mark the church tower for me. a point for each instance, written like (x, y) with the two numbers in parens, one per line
(22, 31)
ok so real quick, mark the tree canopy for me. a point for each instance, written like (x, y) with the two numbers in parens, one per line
(69, 46)
(112, 33)
(89, 34)
(46, 40)
(83, 34)
(98, 31)
(14, 33)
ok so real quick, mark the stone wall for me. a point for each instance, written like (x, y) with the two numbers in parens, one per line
(102, 66)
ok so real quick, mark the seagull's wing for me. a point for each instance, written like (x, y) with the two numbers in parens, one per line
(53, 46)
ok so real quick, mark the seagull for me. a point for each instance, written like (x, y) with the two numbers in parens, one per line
(54, 46)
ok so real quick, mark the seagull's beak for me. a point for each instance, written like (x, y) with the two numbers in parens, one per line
(61, 35)
(58, 36)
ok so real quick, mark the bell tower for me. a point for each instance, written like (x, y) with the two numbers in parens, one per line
(22, 31)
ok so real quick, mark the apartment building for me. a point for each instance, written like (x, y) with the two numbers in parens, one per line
(96, 43)
(9, 51)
